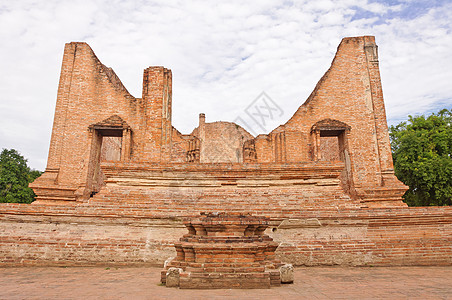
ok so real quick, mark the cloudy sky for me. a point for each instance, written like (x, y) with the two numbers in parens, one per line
(223, 54)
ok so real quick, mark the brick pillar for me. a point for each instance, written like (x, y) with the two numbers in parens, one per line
(202, 135)
(157, 96)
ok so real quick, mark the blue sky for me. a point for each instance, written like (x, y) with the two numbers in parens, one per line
(223, 54)
(401, 9)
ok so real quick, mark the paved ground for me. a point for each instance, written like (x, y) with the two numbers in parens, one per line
(310, 283)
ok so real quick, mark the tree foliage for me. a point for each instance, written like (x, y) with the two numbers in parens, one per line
(422, 152)
(15, 175)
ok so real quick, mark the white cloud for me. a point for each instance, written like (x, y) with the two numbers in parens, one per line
(222, 54)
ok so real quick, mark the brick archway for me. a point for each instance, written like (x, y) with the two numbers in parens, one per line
(331, 143)
(110, 140)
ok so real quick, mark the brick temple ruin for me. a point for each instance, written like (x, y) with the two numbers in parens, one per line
(335, 147)
(120, 178)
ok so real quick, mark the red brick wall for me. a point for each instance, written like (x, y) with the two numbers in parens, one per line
(84, 235)
(409, 236)
(62, 236)
(329, 148)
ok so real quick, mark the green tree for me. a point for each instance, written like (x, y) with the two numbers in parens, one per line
(422, 149)
(15, 176)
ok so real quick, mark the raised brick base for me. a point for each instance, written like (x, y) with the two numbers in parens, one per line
(79, 235)
(226, 251)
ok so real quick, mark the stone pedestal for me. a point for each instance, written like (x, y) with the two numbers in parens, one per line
(225, 251)
(286, 272)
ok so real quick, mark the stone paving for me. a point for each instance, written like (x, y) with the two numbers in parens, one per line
(143, 283)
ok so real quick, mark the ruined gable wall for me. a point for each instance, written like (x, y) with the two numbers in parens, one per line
(88, 93)
(346, 93)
